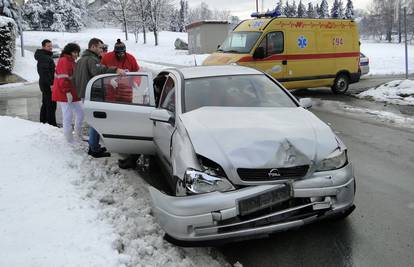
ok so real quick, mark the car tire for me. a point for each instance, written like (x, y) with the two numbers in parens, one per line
(341, 84)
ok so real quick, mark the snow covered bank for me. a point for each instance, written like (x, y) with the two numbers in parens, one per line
(386, 58)
(399, 92)
(60, 207)
(26, 67)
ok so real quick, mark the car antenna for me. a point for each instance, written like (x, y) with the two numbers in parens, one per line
(195, 61)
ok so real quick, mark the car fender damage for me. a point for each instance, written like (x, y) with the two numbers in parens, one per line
(216, 215)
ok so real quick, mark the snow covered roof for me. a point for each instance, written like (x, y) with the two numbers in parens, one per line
(199, 23)
(5, 20)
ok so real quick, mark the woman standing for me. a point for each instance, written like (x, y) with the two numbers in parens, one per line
(64, 92)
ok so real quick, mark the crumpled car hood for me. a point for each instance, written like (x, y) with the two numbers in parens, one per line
(259, 137)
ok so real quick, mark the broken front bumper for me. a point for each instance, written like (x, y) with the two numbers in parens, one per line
(215, 216)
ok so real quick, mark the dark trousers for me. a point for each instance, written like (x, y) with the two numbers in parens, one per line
(48, 108)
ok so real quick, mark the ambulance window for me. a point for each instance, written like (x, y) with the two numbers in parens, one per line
(273, 43)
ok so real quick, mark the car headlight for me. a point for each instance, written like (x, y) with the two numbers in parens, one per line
(198, 182)
(336, 160)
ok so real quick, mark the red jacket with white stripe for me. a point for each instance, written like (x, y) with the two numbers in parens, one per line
(63, 80)
(123, 93)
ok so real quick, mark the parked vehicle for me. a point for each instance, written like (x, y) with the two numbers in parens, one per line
(243, 156)
(363, 64)
(298, 52)
(56, 51)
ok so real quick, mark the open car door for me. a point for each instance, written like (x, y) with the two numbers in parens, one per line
(119, 107)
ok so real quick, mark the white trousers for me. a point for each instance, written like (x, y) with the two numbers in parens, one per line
(67, 113)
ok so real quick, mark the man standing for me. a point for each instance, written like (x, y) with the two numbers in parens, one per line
(46, 70)
(119, 58)
(87, 67)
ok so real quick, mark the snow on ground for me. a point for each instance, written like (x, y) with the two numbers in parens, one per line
(60, 207)
(399, 92)
(384, 116)
(163, 53)
(387, 58)
(390, 62)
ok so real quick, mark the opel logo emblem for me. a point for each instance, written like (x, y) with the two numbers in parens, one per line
(273, 173)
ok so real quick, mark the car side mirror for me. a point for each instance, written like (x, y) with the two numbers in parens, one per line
(305, 103)
(162, 115)
(259, 53)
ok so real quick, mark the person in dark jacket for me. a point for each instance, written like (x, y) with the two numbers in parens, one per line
(87, 67)
(46, 70)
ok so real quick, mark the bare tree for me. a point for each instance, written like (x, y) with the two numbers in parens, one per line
(140, 11)
(157, 14)
(118, 10)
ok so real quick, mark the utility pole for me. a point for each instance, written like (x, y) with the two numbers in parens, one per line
(406, 48)
(399, 22)
(257, 6)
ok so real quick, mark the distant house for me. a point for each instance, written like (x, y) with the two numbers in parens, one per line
(205, 36)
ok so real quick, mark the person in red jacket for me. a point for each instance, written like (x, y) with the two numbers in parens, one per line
(65, 93)
(120, 89)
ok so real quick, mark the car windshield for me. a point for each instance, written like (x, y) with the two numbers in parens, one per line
(235, 91)
(239, 42)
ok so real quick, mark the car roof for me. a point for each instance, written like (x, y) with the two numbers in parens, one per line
(213, 71)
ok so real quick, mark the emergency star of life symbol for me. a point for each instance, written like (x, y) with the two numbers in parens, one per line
(302, 42)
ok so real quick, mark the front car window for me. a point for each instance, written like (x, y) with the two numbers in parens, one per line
(240, 42)
(235, 91)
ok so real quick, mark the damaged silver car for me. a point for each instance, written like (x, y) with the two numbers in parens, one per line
(243, 156)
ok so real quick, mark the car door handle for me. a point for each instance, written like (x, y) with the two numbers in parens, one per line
(284, 62)
(99, 114)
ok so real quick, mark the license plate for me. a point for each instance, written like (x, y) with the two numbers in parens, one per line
(264, 200)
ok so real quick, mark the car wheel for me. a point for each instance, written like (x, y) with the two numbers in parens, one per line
(341, 84)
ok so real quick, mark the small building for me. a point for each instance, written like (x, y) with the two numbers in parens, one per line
(205, 36)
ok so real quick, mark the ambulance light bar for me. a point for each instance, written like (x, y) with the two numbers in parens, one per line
(268, 14)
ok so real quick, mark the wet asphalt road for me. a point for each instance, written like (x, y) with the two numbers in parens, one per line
(380, 232)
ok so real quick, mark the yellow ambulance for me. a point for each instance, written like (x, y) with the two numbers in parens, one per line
(298, 52)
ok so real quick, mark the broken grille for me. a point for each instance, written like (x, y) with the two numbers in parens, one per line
(257, 175)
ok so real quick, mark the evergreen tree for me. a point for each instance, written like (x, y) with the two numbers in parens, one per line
(341, 11)
(311, 12)
(293, 10)
(349, 12)
(54, 14)
(335, 10)
(301, 10)
(286, 9)
(324, 10)
(317, 11)
(58, 25)
(9, 8)
(279, 7)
